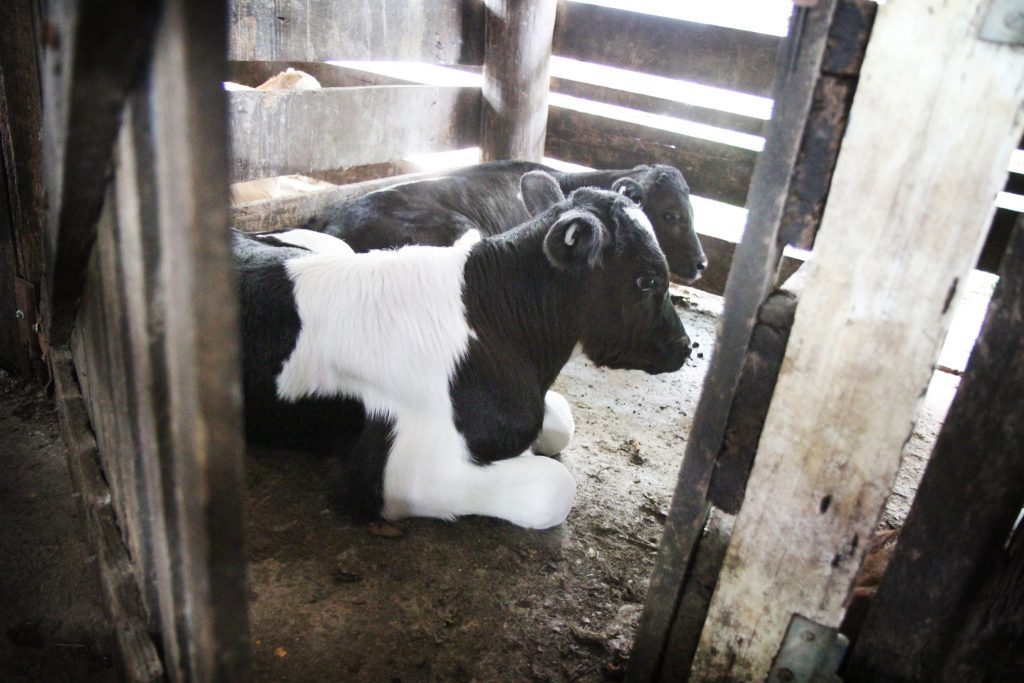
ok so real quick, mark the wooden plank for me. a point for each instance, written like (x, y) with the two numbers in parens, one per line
(92, 52)
(517, 53)
(199, 366)
(714, 170)
(869, 325)
(657, 105)
(826, 124)
(751, 277)
(137, 654)
(293, 131)
(712, 55)
(20, 120)
(969, 498)
(720, 253)
(442, 31)
(14, 357)
(991, 646)
(290, 212)
(253, 74)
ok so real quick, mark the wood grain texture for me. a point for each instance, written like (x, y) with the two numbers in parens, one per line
(292, 131)
(712, 55)
(93, 50)
(751, 276)
(20, 120)
(870, 322)
(138, 655)
(290, 212)
(954, 539)
(517, 53)
(713, 169)
(442, 31)
(196, 290)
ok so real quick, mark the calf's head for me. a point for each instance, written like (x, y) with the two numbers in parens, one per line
(603, 240)
(665, 198)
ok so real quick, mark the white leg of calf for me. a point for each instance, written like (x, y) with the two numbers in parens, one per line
(430, 473)
(558, 427)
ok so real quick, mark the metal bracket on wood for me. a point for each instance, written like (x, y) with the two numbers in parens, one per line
(810, 653)
(1004, 22)
(28, 317)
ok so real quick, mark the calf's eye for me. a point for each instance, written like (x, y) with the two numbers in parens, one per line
(646, 283)
(671, 216)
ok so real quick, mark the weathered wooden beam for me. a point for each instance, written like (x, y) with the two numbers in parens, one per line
(715, 170)
(517, 52)
(14, 355)
(826, 123)
(442, 31)
(956, 533)
(93, 51)
(301, 131)
(991, 643)
(253, 74)
(711, 55)
(137, 654)
(20, 145)
(870, 323)
(291, 212)
(751, 277)
(199, 366)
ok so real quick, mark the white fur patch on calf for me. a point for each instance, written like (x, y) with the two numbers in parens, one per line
(638, 215)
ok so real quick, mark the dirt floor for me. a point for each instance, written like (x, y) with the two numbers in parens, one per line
(52, 626)
(473, 600)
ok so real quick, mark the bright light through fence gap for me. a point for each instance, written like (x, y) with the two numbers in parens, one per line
(675, 90)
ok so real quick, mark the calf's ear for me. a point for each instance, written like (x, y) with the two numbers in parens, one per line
(540, 191)
(629, 188)
(576, 239)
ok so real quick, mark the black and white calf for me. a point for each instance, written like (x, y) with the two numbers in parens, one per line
(434, 364)
(486, 197)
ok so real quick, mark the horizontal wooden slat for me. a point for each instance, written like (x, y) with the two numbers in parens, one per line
(712, 55)
(442, 31)
(253, 74)
(714, 170)
(291, 212)
(277, 133)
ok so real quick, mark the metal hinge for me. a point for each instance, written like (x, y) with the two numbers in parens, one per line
(1004, 22)
(30, 325)
(810, 653)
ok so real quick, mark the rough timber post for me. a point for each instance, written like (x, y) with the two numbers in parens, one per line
(517, 50)
(910, 200)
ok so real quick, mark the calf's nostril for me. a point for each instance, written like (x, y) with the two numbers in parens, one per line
(702, 266)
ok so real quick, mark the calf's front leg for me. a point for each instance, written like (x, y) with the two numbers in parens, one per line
(558, 427)
(430, 473)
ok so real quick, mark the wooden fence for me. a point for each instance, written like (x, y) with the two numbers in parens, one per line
(811, 390)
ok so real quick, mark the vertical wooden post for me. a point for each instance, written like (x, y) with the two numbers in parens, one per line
(203, 486)
(751, 277)
(955, 536)
(517, 51)
(911, 196)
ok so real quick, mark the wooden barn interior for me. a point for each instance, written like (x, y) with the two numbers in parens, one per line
(830, 489)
